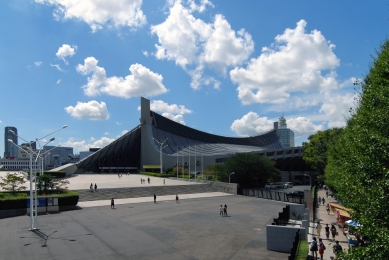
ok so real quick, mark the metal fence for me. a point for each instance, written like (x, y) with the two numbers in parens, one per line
(272, 195)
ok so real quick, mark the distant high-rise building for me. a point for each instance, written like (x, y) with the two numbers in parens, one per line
(286, 135)
(10, 149)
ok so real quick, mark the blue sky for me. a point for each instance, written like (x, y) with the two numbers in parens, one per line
(230, 68)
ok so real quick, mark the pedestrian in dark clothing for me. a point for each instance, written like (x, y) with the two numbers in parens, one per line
(177, 199)
(225, 209)
(337, 248)
(221, 210)
(155, 198)
(327, 193)
(323, 200)
(95, 187)
(333, 231)
(112, 203)
(148, 180)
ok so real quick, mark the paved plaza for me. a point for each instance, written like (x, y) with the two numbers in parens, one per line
(104, 181)
(138, 228)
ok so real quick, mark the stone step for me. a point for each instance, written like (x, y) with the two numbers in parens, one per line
(136, 192)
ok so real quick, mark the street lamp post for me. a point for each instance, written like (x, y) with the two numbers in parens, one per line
(160, 151)
(310, 180)
(229, 177)
(33, 219)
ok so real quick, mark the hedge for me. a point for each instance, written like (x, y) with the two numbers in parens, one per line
(67, 198)
(163, 175)
(57, 174)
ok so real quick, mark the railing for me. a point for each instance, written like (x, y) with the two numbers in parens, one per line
(293, 250)
(272, 195)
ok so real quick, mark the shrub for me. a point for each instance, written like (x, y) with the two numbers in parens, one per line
(13, 201)
(57, 174)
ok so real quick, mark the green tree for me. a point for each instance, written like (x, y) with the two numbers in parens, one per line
(45, 182)
(315, 151)
(251, 170)
(215, 170)
(11, 182)
(358, 165)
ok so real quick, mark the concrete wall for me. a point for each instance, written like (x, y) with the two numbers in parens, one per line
(231, 188)
(281, 238)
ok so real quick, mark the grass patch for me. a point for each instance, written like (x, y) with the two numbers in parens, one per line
(302, 250)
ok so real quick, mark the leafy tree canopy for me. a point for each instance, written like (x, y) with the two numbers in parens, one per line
(315, 151)
(358, 165)
(251, 170)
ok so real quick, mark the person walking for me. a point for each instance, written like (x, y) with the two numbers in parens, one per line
(155, 198)
(95, 187)
(91, 187)
(328, 208)
(221, 210)
(177, 199)
(327, 231)
(225, 209)
(333, 231)
(337, 248)
(112, 203)
(318, 228)
(148, 180)
(319, 200)
(323, 200)
(313, 247)
(322, 247)
(163, 181)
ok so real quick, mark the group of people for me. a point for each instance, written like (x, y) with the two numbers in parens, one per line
(143, 181)
(91, 187)
(223, 210)
(316, 247)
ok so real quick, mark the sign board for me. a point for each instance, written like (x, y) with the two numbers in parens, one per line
(41, 202)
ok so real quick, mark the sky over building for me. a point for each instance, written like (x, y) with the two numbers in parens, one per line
(230, 68)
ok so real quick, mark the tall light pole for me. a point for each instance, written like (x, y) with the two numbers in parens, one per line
(33, 219)
(229, 177)
(160, 151)
(310, 180)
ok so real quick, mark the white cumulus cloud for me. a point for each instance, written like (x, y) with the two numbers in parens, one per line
(96, 14)
(252, 124)
(336, 108)
(38, 63)
(66, 50)
(84, 145)
(195, 45)
(141, 81)
(303, 126)
(298, 62)
(173, 111)
(92, 110)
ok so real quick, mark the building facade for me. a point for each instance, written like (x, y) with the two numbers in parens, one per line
(141, 148)
(10, 150)
(286, 135)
